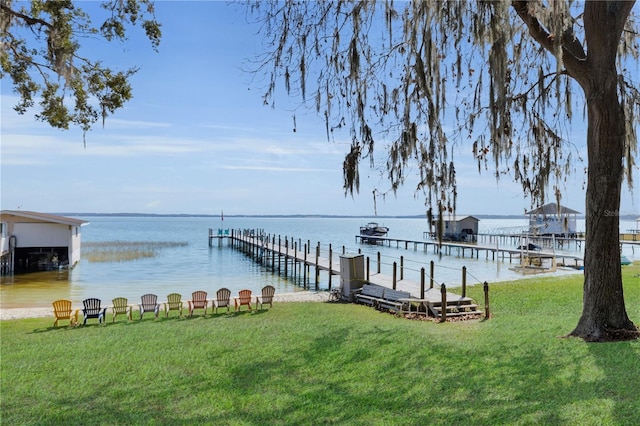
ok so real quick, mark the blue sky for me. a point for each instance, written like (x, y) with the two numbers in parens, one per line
(197, 139)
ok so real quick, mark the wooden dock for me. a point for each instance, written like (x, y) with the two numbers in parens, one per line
(296, 260)
(305, 263)
(473, 250)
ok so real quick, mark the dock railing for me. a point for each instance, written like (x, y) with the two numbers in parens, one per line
(294, 258)
(308, 261)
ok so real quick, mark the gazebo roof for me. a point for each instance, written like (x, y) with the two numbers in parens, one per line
(551, 209)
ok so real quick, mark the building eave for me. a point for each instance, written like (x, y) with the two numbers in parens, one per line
(44, 217)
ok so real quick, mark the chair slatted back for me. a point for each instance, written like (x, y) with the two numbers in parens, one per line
(91, 307)
(174, 300)
(244, 298)
(223, 296)
(267, 296)
(62, 309)
(149, 302)
(174, 303)
(120, 305)
(199, 299)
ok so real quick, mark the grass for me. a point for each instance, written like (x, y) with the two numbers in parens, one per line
(122, 251)
(320, 363)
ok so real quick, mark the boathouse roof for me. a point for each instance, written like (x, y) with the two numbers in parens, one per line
(458, 218)
(44, 217)
(551, 209)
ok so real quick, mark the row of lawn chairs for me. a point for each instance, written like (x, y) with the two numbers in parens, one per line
(63, 310)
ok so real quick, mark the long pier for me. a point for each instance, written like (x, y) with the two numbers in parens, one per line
(473, 250)
(300, 260)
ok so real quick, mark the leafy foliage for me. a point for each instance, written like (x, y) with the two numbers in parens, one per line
(41, 55)
(505, 72)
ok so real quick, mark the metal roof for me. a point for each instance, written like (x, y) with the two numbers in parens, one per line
(551, 209)
(45, 217)
(450, 218)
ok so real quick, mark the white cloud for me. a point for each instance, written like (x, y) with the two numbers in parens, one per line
(278, 169)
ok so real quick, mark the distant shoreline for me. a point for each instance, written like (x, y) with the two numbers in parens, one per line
(629, 217)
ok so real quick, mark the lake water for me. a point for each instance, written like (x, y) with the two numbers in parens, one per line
(196, 266)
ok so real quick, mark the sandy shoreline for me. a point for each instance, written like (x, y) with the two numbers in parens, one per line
(299, 296)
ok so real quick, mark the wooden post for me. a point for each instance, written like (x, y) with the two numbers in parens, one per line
(422, 283)
(367, 268)
(295, 259)
(378, 262)
(273, 254)
(394, 275)
(317, 265)
(464, 281)
(431, 266)
(279, 252)
(487, 312)
(330, 267)
(305, 268)
(401, 268)
(257, 244)
(272, 245)
(286, 256)
(443, 312)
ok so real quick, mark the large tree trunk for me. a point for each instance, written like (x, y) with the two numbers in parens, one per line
(604, 316)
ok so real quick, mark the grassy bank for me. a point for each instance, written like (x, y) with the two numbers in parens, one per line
(320, 363)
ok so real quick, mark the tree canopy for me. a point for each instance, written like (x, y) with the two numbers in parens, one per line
(41, 54)
(504, 72)
(508, 74)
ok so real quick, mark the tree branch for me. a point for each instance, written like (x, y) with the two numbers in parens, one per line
(27, 19)
(537, 31)
(573, 54)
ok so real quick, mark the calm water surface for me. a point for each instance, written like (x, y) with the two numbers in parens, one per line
(197, 266)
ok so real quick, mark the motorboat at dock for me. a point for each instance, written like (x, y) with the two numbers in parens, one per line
(373, 229)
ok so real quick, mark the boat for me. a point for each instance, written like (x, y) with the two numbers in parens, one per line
(372, 229)
(529, 246)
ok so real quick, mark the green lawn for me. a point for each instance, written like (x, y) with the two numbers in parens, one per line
(324, 363)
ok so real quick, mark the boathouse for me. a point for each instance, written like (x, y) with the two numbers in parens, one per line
(553, 219)
(459, 228)
(32, 241)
